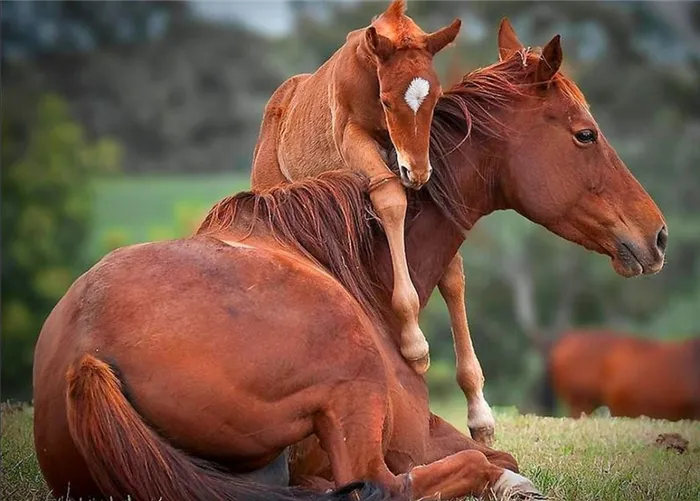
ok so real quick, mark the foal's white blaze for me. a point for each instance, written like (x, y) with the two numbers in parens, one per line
(416, 93)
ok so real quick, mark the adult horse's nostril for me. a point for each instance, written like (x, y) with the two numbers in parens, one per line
(662, 239)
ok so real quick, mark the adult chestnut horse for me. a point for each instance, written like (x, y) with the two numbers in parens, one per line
(515, 135)
(379, 88)
(631, 376)
(507, 145)
(211, 337)
(234, 344)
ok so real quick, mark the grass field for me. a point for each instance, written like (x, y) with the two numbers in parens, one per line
(135, 209)
(594, 459)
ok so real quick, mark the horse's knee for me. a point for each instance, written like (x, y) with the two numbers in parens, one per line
(470, 378)
(390, 202)
(405, 302)
(452, 284)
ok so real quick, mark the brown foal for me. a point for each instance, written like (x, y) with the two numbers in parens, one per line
(378, 90)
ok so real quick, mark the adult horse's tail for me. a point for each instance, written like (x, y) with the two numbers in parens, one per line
(127, 458)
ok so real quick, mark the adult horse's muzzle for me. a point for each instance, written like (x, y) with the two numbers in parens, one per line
(645, 257)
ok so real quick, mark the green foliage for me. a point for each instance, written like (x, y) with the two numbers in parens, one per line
(46, 208)
(135, 209)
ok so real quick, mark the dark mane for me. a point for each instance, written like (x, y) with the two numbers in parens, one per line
(469, 112)
(328, 219)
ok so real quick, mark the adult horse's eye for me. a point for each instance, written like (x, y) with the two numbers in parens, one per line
(585, 136)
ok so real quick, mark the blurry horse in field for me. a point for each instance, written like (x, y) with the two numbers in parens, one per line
(631, 376)
(379, 89)
(170, 366)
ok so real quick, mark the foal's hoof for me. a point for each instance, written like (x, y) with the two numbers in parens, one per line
(483, 435)
(512, 486)
(420, 365)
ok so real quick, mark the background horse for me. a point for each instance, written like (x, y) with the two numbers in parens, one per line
(378, 89)
(631, 376)
(515, 135)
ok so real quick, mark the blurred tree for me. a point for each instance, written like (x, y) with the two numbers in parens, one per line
(180, 94)
(49, 27)
(46, 207)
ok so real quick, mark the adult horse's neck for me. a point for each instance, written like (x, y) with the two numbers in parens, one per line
(470, 191)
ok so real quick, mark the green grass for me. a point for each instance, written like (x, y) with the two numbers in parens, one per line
(597, 458)
(593, 459)
(136, 209)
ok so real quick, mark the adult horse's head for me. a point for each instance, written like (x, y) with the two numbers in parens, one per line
(555, 165)
(408, 85)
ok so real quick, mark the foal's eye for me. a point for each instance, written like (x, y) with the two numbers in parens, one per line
(585, 136)
(386, 104)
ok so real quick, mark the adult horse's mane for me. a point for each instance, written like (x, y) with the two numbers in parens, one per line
(329, 218)
(469, 112)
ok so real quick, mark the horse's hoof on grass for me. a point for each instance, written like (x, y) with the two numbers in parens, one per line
(420, 365)
(512, 486)
(483, 435)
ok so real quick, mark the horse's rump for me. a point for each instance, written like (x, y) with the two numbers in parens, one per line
(190, 324)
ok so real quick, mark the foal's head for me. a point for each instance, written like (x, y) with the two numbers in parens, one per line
(563, 173)
(408, 85)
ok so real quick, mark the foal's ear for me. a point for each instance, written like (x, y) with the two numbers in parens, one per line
(508, 41)
(396, 9)
(550, 60)
(443, 37)
(380, 45)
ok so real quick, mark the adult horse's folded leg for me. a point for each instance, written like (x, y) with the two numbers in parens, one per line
(469, 473)
(389, 200)
(469, 374)
(354, 440)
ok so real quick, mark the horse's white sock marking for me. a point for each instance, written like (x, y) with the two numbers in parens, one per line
(510, 483)
(416, 93)
(480, 415)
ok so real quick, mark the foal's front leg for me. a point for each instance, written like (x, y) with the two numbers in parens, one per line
(389, 201)
(469, 374)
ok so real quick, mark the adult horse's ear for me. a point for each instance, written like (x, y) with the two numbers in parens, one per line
(508, 42)
(380, 45)
(550, 60)
(443, 37)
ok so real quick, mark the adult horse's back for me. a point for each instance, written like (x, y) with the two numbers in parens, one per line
(631, 376)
